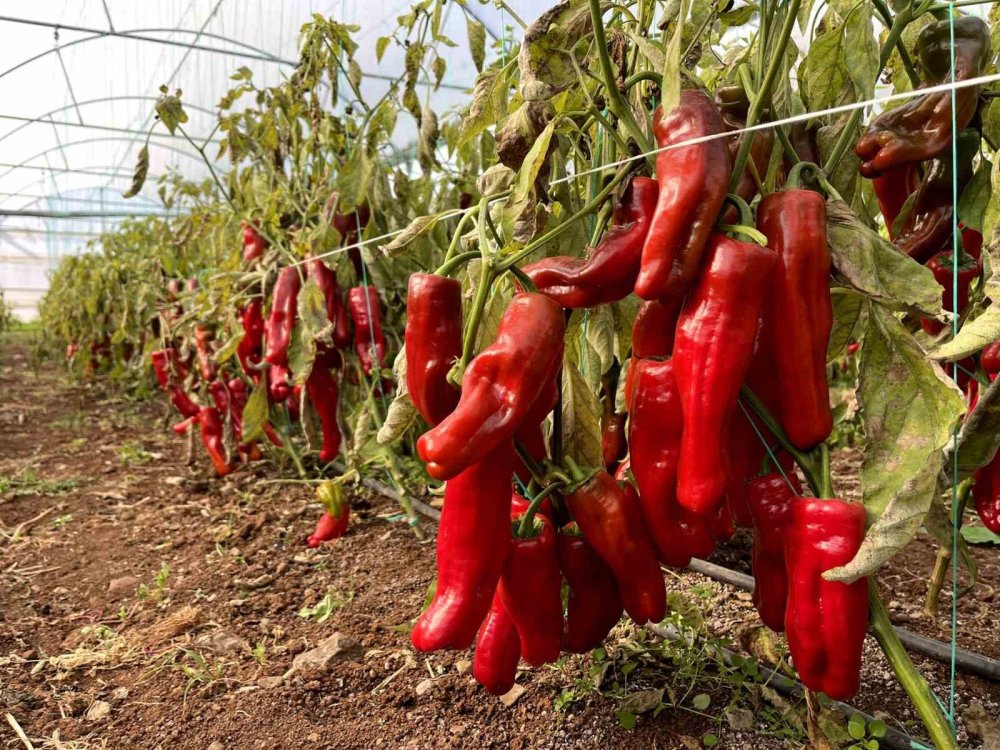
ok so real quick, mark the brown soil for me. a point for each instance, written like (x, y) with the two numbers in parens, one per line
(147, 604)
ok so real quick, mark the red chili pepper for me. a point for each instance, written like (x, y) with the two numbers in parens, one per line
(825, 620)
(433, 343)
(498, 650)
(280, 324)
(986, 492)
(336, 311)
(181, 427)
(609, 272)
(206, 367)
(182, 401)
(613, 444)
(972, 241)
(237, 403)
(653, 329)
(248, 351)
(253, 244)
(794, 222)
(500, 387)
(770, 499)
(941, 265)
(692, 181)
(594, 606)
(612, 522)
(531, 592)
(211, 435)
(364, 306)
(712, 351)
(473, 541)
(656, 423)
(323, 393)
(348, 225)
(990, 358)
(336, 516)
(71, 349)
(892, 189)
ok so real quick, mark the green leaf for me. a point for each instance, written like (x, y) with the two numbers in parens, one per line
(972, 336)
(909, 407)
(301, 352)
(670, 93)
(862, 52)
(139, 176)
(380, 47)
(875, 268)
(354, 178)
(581, 418)
(312, 307)
(979, 535)
(709, 740)
(625, 719)
(477, 41)
(170, 109)
(822, 73)
(856, 727)
(255, 414)
(980, 434)
(976, 196)
(229, 348)
(849, 318)
(701, 701)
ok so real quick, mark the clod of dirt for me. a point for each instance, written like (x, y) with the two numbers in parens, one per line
(330, 651)
(97, 711)
(174, 625)
(123, 585)
(269, 683)
(511, 696)
(425, 686)
(221, 641)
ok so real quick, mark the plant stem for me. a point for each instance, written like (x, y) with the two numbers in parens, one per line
(764, 92)
(938, 727)
(904, 55)
(615, 101)
(804, 461)
(487, 275)
(456, 262)
(942, 564)
(826, 480)
(527, 520)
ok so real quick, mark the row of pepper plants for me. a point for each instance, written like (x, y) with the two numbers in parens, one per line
(598, 303)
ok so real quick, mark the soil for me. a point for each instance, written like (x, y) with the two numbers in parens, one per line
(147, 604)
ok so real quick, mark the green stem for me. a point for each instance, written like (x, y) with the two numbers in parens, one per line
(804, 461)
(523, 279)
(904, 55)
(487, 275)
(456, 262)
(942, 735)
(457, 238)
(644, 75)
(527, 520)
(615, 101)
(764, 93)
(825, 477)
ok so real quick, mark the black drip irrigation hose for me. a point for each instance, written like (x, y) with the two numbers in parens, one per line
(967, 661)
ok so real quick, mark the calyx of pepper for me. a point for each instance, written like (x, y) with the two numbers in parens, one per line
(331, 495)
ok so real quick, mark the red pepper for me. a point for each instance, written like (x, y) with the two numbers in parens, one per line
(71, 349)
(986, 492)
(825, 620)
(211, 435)
(653, 329)
(500, 387)
(253, 244)
(941, 265)
(472, 545)
(161, 365)
(364, 306)
(892, 189)
(336, 312)
(990, 358)
(794, 222)
(323, 393)
(280, 324)
(181, 427)
(248, 351)
(656, 423)
(433, 343)
(712, 351)
(770, 499)
(531, 592)
(613, 439)
(693, 182)
(336, 516)
(594, 605)
(612, 522)
(498, 650)
(206, 367)
(182, 401)
(348, 225)
(972, 241)
(609, 272)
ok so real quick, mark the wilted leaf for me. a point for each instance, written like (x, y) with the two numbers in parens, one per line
(581, 418)
(255, 414)
(849, 317)
(417, 228)
(642, 701)
(477, 41)
(980, 435)
(972, 336)
(402, 413)
(139, 176)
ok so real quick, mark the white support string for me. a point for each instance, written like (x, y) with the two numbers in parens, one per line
(941, 87)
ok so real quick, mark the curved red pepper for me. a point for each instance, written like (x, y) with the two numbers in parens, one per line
(794, 222)
(211, 436)
(986, 493)
(531, 592)
(712, 351)
(656, 424)
(248, 351)
(185, 405)
(612, 522)
(433, 343)
(693, 181)
(654, 326)
(609, 272)
(825, 620)
(206, 367)
(968, 271)
(321, 387)
(369, 341)
(280, 324)
(594, 606)
(328, 527)
(166, 364)
(498, 650)
(326, 280)
(500, 387)
(770, 500)
(253, 244)
(892, 189)
(472, 545)
(613, 445)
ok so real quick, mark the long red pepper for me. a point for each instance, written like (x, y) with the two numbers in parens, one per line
(892, 189)
(986, 493)
(656, 424)
(249, 350)
(692, 181)
(321, 387)
(211, 435)
(253, 244)
(433, 343)
(369, 341)
(825, 620)
(326, 280)
(594, 606)
(278, 330)
(712, 351)
(498, 650)
(609, 272)
(531, 592)
(473, 542)
(942, 266)
(770, 499)
(206, 367)
(611, 521)
(500, 386)
(794, 222)
(654, 326)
